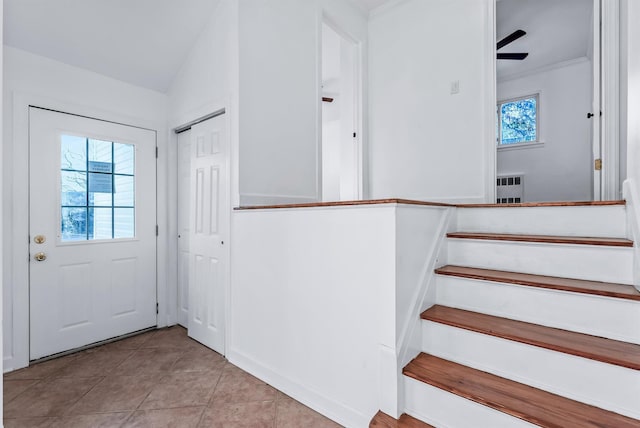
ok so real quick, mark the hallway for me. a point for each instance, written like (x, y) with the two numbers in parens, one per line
(157, 379)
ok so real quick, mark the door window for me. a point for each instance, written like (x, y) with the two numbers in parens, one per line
(97, 183)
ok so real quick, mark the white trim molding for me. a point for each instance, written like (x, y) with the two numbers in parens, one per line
(491, 101)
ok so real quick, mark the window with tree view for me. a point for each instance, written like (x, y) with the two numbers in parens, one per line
(97, 198)
(518, 121)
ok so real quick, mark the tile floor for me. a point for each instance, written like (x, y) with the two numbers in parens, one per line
(157, 379)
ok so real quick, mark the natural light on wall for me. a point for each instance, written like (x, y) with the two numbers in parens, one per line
(518, 120)
(97, 195)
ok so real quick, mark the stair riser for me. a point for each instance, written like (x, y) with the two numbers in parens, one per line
(599, 384)
(593, 221)
(612, 318)
(443, 409)
(590, 262)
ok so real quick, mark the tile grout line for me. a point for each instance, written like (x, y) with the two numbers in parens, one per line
(66, 412)
(37, 381)
(213, 391)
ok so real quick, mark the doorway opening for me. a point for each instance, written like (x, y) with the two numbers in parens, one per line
(341, 106)
(549, 127)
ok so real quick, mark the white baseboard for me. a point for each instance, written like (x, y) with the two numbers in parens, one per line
(338, 412)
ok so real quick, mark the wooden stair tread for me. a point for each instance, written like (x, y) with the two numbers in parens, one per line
(580, 240)
(521, 401)
(382, 420)
(621, 291)
(582, 345)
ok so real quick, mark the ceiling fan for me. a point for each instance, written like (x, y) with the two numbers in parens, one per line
(509, 39)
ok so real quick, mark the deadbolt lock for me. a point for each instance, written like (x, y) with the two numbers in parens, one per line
(39, 239)
(40, 257)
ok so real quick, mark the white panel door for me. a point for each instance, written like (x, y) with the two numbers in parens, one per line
(92, 227)
(184, 186)
(208, 253)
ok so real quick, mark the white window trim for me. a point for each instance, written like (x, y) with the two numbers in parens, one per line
(525, 144)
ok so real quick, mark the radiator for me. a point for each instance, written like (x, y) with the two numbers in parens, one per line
(510, 189)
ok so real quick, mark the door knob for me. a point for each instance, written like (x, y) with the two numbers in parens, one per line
(40, 257)
(39, 239)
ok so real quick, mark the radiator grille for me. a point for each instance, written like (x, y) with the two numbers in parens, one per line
(510, 189)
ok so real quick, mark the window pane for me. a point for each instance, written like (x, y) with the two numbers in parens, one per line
(73, 188)
(100, 186)
(100, 151)
(101, 177)
(124, 223)
(124, 195)
(73, 153)
(100, 223)
(123, 158)
(74, 224)
(518, 121)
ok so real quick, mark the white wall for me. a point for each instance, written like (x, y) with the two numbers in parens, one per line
(206, 83)
(426, 143)
(30, 79)
(280, 94)
(632, 185)
(312, 299)
(633, 91)
(325, 299)
(206, 80)
(559, 169)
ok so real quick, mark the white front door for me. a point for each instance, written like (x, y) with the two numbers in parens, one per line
(209, 211)
(92, 227)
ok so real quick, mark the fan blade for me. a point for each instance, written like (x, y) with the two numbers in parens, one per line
(519, 56)
(510, 38)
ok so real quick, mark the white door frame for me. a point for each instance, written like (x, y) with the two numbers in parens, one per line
(19, 323)
(610, 145)
(358, 104)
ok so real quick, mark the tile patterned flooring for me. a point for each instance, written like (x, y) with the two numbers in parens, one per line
(157, 379)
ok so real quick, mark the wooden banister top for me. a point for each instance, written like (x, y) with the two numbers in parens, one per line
(345, 203)
(426, 203)
(545, 204)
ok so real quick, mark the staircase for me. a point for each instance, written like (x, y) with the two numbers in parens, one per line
(536, 323)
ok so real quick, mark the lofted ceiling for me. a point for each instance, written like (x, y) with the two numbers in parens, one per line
(145, 42)
(142, 42)
(557, 31)
(369, 5)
